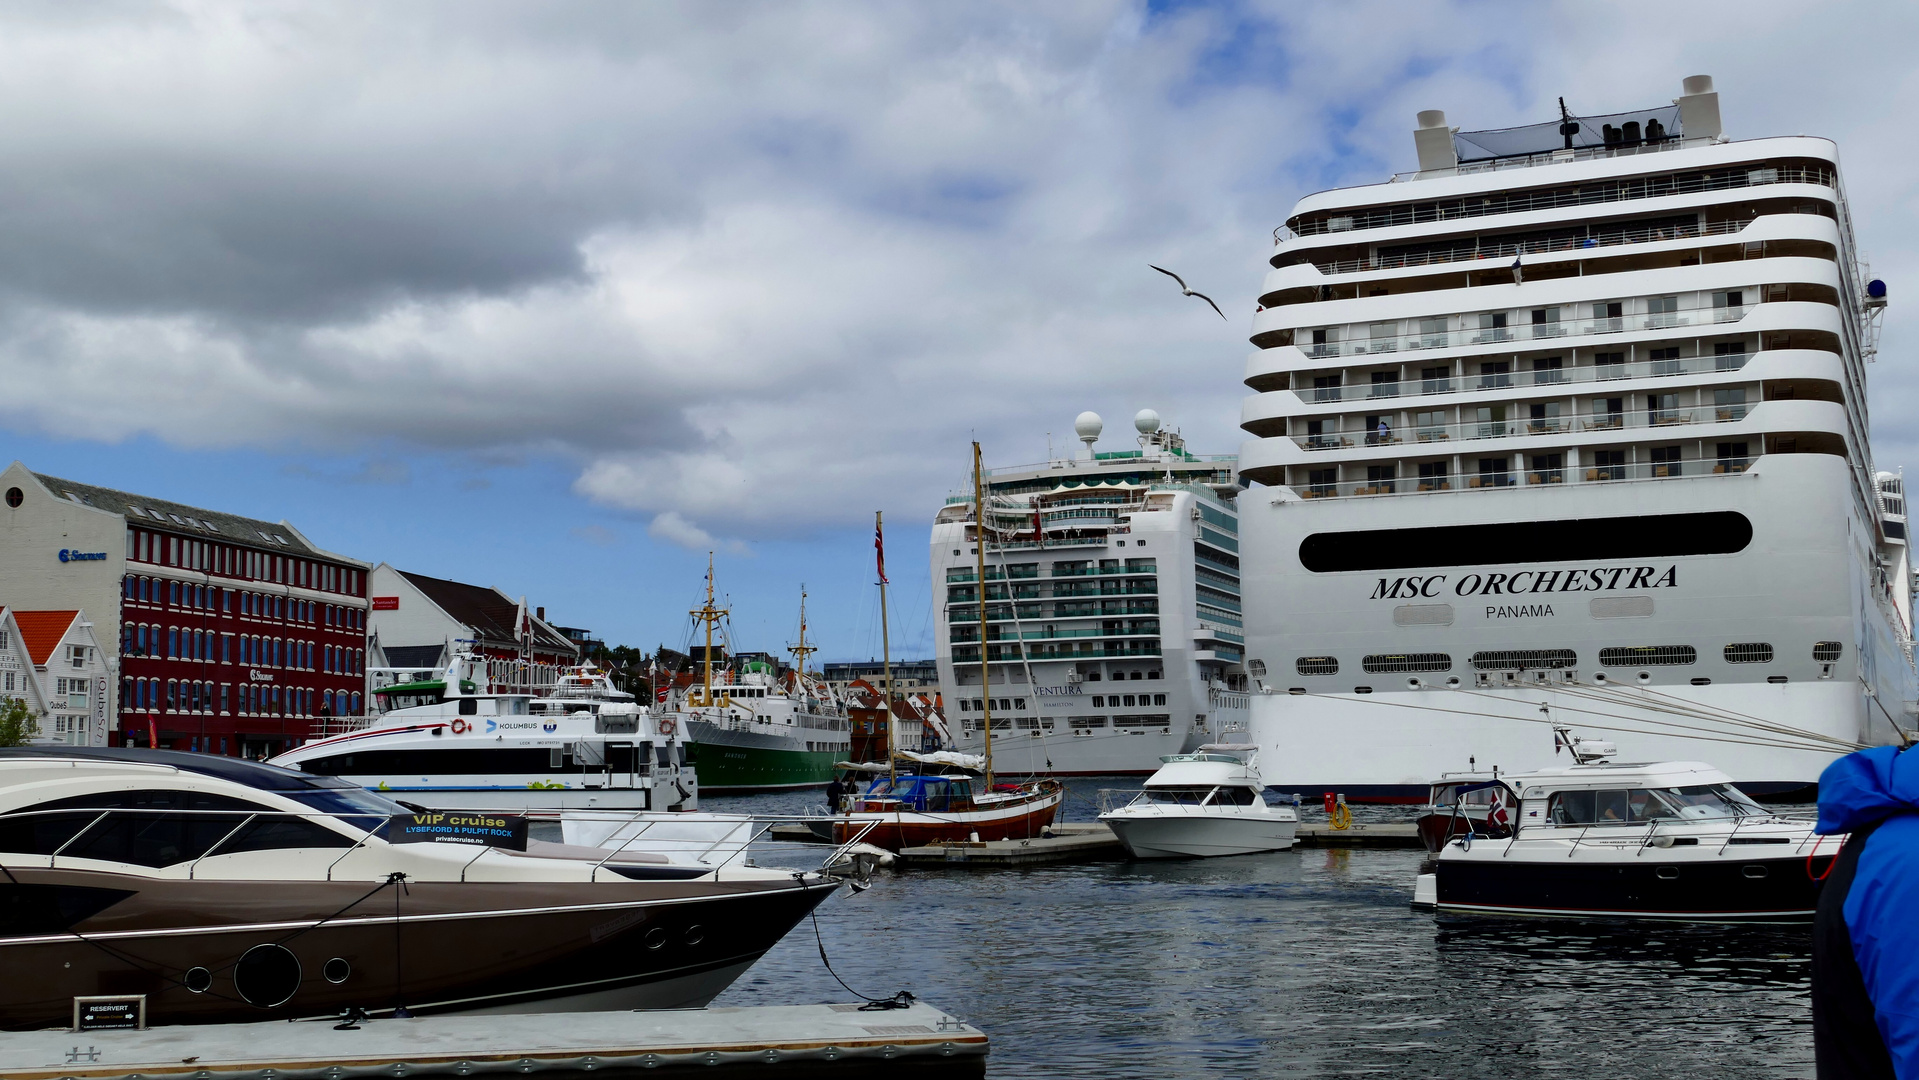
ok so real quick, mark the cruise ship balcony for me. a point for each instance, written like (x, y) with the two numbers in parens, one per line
(1734, 420)
(1625, 318)
(1266, 413)
(1580, 187)
(1802, 230)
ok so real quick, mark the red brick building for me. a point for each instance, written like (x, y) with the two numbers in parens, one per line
(228, 634)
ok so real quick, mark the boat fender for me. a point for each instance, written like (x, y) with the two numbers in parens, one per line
(461, 727)
(666, 725)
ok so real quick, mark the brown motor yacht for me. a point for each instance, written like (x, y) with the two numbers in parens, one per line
(226, 890)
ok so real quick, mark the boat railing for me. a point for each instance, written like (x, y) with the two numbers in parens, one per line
(325, 726)
(1644, 834)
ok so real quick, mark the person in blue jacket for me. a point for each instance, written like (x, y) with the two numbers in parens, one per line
(1865, 946)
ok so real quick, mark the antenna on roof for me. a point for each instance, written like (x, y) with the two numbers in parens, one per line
(1568, 127)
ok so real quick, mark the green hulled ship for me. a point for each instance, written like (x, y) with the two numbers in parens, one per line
(749, 728)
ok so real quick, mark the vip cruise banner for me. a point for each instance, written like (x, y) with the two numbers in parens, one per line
(494, 830)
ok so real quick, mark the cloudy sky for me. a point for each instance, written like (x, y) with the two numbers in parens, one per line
(559, 296)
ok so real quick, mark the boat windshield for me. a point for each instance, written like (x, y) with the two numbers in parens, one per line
(1197, 796)
(356, 806)
(1626, 806)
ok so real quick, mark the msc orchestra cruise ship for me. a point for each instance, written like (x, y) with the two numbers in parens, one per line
(1569, 427)
(1113, 620)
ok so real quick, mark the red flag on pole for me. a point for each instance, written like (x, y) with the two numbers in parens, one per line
(153, 732)
(879, 547)
(1039, 528)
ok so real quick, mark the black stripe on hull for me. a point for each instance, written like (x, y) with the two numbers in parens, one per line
(1763, 890)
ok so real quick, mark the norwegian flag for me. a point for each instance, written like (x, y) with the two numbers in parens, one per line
(1496, 811)
(879, 547)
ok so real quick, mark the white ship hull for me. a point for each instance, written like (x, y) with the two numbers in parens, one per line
(1773, 726)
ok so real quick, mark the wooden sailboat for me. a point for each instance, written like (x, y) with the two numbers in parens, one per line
(923, 806)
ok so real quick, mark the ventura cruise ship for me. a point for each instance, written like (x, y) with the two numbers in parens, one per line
(1570, 426)
(1113, 616)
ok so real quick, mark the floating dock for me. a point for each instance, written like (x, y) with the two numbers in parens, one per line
(790, 1040)
(1089, 841)
(1068, 842)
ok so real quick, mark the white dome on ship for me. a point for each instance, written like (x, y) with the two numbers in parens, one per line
(1088, 425)
(1146, 421)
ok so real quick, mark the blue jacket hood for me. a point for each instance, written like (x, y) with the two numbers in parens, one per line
(1867, 787)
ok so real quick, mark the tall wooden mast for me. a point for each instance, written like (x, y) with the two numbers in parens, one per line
(985, 680)
(886, 648)
(711, 616)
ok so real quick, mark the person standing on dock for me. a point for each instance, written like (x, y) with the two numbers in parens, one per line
(1865, 945)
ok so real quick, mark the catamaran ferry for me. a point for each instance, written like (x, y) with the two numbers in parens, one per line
(1112, 607)
(1570, 426)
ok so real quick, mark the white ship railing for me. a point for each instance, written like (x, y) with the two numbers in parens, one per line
(1440, 332)
(1504, 429)
(1729, 177)
(1591, 474)
(1601, 238)
(1548, 377)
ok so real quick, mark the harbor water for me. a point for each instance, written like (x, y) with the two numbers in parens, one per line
(1299, 963)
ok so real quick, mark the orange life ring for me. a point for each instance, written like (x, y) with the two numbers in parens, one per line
(460, 727)
(666, 725)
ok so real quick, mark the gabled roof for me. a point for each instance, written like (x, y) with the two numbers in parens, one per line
(487, 611)
(42, 631)
(181, 518)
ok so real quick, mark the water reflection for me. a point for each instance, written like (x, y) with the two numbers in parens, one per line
(1292, 964)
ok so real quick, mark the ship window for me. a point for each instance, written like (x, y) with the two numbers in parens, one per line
(273, 833)
(1749, 652)
(1569, 540)
(1384, 663)
(1085, 723)
(145, 828)
(1317, 665)
(1827, 651)
(1648, 655)
(1524, 659)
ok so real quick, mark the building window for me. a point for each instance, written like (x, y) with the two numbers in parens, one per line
(1732, 458)
(1493, 472)
(1663, 409)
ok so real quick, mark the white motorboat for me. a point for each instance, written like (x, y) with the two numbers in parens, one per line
(443, 743)
(1203, 804)
(1669, 840)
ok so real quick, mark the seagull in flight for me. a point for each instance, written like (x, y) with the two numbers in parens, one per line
(1188, 292)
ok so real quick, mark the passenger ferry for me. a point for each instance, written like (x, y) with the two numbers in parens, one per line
(1570, 425)
(445, 744)
(1112, 607)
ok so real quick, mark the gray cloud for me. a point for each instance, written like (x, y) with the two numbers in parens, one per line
(756, 270)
